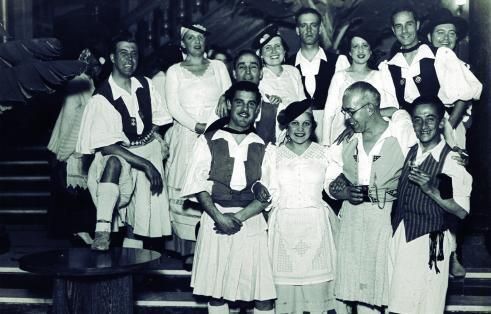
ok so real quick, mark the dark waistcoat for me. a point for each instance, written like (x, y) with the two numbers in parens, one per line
(129, 123)
(221, 172)
(266, 126)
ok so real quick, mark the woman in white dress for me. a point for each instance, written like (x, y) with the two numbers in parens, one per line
(281, 83)
(301, 242)
(360, 51)
(192, 90)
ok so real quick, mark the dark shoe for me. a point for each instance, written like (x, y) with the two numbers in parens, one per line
(456, 269)
(101, 242)
(187, 262)
(77, 240)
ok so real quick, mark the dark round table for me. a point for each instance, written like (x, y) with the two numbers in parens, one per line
(87, 281)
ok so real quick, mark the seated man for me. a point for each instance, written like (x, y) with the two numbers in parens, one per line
(120, 125)
(432, 184)
(231, 259)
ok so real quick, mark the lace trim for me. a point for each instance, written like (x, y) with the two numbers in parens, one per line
(315, 151)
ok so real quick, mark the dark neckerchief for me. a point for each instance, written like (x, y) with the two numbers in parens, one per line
(229, 130)
(408, 50)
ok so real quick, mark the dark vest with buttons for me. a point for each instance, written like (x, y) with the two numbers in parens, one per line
(322, 79)
(221, 169)
(144, 104)
(266, 126)
(426, 82)
(420, 213)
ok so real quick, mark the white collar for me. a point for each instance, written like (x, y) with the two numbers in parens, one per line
(249, 139)
(389, 132)
(435, 151)
(118, 91)
(300, 59)
(423, 52)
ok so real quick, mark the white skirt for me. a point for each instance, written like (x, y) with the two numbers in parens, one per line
(148, 214)
(233, 267)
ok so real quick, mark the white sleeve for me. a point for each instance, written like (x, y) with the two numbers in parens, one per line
(402, 125)
(269, 175)
(160, 115)
(342, 63)
(101, 126)
(160, 112)
(332, 106)
(457, 82)
(334, 165)
(461, 181)
(386, 87)
(172, 99)
(198, 172)
(223, 75)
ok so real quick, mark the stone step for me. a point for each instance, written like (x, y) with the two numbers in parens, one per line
(25, 183)
(18, 199)
(25, 153)
(24, 167)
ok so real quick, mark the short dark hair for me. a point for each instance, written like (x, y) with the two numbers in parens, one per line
(435, 102)
(247, 52)
(245, 86)
(403, 8)
(307, 10)
(364, 88)
(122, 36)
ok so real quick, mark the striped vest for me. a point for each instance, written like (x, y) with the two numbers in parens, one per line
(221, 169)
(420, 213)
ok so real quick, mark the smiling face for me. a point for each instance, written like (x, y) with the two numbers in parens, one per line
(360, 50)
(427, 124)
(243, 109)
(300, 130)
(355, 109)
(405, 28)
(308, 28)
(125, 59)
(194, 43)
(273, 52)
(248, 68)
(444, 35)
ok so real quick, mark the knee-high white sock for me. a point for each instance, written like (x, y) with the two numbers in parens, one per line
(107, 197)
(256, 311)
(220, 309)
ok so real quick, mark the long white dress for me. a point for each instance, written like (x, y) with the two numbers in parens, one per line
(301, 243)
(191, 99)
(334, 122)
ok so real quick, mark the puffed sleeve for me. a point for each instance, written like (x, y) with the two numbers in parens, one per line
(197, 174)
(334, 165)
(172, 99)
(457, 82)
(222, 75)
(160, 112)
(332, 106)
(342, 63)
(461, 181)
(101, 126)
(387, 90)
(402, 127)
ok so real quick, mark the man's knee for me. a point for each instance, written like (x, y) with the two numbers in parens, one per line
(112, 170)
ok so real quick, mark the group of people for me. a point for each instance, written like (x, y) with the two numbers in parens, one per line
(238, 177)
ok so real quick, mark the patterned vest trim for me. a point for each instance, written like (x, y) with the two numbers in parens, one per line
(266, 126)
(221, 169)
(420, 213)
(322, 79)
(426, 82)
(385, 172)
(129, 123)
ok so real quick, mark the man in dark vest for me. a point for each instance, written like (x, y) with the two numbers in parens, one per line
(446, 30)
(231, 259)
(431, 186)
(420, 70)
(247, 66)
(120, 125)
(316, 65)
